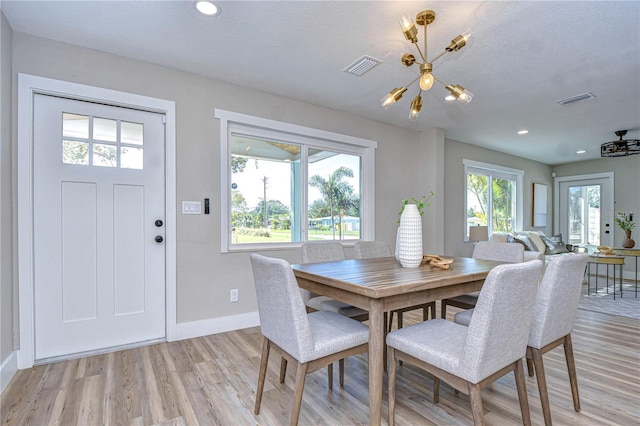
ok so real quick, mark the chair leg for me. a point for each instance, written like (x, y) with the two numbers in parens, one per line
(521, 385)
(436, 390)
(341, 372)
(301, 374)
(529, 365)
(476, 403)
(443, 309)
(266, 346)
(283, 369)
(571, 367)
(392, 386)
(536, 354)
(330, 375)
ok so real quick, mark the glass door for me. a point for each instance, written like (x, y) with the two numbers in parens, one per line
(586, 211)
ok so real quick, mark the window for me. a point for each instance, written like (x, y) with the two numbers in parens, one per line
(493, 197)
(101, 142)
(283, 185)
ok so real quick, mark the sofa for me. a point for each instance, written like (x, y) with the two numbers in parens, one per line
(536, 244)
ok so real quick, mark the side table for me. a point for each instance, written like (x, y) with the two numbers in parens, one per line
(630, 252)
(606, 259)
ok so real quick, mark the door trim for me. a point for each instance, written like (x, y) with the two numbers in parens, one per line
(28, 87)
(556, 194)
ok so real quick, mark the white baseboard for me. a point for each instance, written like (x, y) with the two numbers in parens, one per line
(8, 370)
(188, 330)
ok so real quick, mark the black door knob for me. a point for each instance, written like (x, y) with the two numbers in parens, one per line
(159, 239)
(158, 223)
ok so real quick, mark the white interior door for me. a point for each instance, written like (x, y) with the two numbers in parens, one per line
(99, 259)
(585, 210)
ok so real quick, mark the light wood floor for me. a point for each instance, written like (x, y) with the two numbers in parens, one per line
(211, 381)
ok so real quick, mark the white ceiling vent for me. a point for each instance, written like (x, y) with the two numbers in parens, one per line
(362, 65)
(576, 98)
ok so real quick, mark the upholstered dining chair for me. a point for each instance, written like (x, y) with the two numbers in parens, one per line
(484, 250)
(469, 358)
(553, 319)
(310, 340)
(373, 249)
(328, 252)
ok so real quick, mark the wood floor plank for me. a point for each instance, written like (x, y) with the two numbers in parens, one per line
(212, 381)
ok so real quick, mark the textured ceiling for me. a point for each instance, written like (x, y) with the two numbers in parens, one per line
(522, 57)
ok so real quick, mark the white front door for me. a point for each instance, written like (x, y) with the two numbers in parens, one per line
(99, 258)
(585, 210)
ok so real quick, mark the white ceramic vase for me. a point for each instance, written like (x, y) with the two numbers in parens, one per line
(409, 241)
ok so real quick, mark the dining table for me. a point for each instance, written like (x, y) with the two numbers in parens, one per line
(382, 285)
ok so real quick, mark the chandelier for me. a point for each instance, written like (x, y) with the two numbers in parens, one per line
(620, 148)
(426, 78)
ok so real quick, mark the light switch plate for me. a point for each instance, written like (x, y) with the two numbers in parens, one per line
(191, 207)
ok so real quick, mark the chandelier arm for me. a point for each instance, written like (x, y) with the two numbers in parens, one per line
(439, 56)
(438, 80)
(424, 59)
(414, 80)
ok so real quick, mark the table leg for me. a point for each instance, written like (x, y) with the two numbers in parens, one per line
(614, 281)
(376, 364)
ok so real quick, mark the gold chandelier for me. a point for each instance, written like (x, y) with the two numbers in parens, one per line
(426, 78)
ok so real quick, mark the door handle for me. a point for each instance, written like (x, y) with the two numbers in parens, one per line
(158, 223)
(159, 239)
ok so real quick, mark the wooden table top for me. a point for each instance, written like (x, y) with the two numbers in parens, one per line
(383, 277)
(611, 259)
(627, 251)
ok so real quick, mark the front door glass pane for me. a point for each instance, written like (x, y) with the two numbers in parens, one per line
(584, 215)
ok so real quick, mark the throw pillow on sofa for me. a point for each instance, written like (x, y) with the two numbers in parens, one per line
(555, 245)
(522, 239)
(536, 240)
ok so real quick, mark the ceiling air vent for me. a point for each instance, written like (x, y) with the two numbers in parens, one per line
(362, 65)
(577, 98)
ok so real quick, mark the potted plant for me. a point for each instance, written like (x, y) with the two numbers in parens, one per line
(624, 222)
(420, 203)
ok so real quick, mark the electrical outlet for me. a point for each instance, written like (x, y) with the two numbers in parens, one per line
(233, 295)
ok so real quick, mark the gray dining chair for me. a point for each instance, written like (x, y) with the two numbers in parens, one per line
(470, 358)
(328, 252)
(554, 316)
(484, 250)
(373, 249)
(310, 340)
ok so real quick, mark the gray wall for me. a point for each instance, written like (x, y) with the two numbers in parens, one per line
(204, 276)
(6, 240)
(454, 177)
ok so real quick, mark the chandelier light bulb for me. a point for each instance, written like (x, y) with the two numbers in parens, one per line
(416, 106)
(465, 96)
(409, 29)
(392, 97)
(460, 93)
(426, 81)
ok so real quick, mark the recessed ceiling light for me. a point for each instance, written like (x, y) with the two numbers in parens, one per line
(582, 151)
(523, 132)
(206, 7)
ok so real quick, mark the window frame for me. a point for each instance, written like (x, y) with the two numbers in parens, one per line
(365, 148)
(495, 171)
